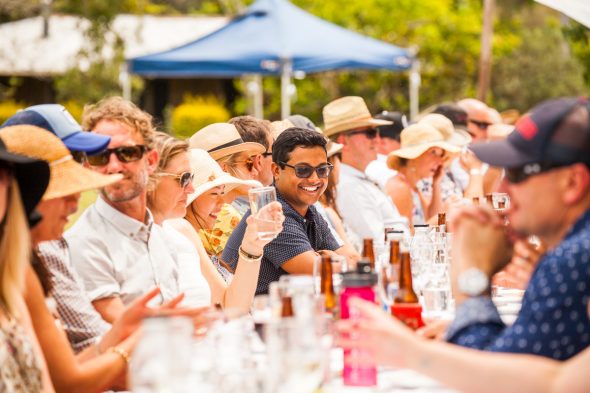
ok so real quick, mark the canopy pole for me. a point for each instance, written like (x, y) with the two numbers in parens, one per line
(258, 97)
(415, 82)
(125, 81)
(286, 73)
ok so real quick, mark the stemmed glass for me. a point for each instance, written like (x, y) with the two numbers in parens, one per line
(260, 197)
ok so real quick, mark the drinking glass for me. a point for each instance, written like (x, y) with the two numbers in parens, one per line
(268, 228)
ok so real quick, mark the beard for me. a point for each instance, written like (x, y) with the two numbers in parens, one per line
(122, 192)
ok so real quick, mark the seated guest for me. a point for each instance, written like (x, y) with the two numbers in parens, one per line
(365, 209)
(100, 366)
(170, 192)
(421, 156)
(22, 184)
(115, 247)
(300, 170)
(82, 323)
(387, 141)
(547, 165)
(236, 157)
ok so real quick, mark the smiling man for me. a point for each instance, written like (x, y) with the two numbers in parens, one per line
(300, 170)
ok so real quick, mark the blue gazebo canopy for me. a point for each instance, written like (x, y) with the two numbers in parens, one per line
(271, 34)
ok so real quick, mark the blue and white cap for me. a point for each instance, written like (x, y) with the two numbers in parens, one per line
(56, 119)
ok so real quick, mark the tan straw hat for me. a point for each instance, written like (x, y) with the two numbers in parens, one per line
(279, 126)
(348, 113)
(445, 126)
(208, 174)
(222, 139)
(67, 176)
(416, 140)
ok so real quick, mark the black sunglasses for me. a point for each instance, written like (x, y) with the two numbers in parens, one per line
(80, 157)
(370, 133)
(267, 154)
(520, 174)
(482, 125)
(303, 171)
(124, 154)
(184, 178)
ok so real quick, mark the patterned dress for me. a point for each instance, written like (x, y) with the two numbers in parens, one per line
(20, 371)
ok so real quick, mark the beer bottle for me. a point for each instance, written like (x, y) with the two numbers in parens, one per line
(326, 284)
(368, 252)
(287, 307)
(490, 200)
(475, 201)
(391, 277)
(442, 222)
(406, 306)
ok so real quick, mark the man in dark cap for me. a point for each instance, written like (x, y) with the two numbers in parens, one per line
(547, 177)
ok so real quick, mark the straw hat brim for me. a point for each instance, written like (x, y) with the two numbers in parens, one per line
(255, 148)
(460, 138)
(69, 177)
(411, 152)
(355, 124)
(228, 181)
(334, 148)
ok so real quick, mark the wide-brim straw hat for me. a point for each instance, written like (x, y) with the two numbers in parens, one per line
(445, 126)
(223, 139)
(67, 176)
(278, 126)
(348, 113)
(208, 174)
(416, 140)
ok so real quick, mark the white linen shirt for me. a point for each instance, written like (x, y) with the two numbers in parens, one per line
(116, 255)
(362, 205)
(379, 172)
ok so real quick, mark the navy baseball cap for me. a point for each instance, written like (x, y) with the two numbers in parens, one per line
(56, 119)
(454, 113)
(554, 133)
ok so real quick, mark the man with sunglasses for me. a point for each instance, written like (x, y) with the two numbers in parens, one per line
(364, 208)
(547, 177)
(300, 170)
(115, 247)
(255, 130)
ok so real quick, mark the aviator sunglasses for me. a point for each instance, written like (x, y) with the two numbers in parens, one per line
(303, 171)
(124, 154)
(184, 178)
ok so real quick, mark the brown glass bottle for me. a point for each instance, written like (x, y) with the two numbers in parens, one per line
(326, 284)
(406, 292)
(475, 201)
(442, 222)
(368, 252)
(406, 306)
(490, 200)
(287, 307)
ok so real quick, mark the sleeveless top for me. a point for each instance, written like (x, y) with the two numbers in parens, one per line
(418, 216)
(20, 371)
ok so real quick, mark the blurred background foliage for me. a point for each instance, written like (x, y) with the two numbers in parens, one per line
(536, 53)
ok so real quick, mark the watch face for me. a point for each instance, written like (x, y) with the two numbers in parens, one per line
(473, 282)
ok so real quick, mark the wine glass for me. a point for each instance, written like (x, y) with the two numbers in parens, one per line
(260, 197)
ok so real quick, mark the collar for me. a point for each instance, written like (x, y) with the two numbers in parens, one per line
(347, 170)
(582, 223)
(128, 226)
(288, 209)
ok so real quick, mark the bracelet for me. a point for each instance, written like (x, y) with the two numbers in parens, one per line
(121, 352)
(248, 257)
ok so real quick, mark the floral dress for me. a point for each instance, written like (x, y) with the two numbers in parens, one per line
(215, 239)
(20, 371)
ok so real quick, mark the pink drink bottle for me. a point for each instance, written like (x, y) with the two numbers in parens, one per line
(359, 366)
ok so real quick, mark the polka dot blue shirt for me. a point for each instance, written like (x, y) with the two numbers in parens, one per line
(553, 321)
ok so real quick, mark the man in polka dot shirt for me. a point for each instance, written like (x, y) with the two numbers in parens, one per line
(547, 176)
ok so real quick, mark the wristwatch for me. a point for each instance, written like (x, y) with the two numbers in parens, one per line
(473, 282)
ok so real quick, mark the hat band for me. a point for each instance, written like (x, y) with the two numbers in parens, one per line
(61, 160)
(235, 142)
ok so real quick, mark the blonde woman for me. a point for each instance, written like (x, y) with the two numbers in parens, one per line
(168, 197)
(23, 366)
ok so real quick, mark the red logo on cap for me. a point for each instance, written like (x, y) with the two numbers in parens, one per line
(527, 128)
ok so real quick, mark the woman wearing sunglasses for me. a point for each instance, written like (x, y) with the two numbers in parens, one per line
(421, 156)
(183, 179)
(223, 142)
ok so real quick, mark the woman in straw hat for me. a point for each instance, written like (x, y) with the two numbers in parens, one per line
(168, 200)
(22, 184)
(100, 366)
(236, 157)
(420, 156)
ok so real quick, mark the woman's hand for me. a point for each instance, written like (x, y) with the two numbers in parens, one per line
(268, 219)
